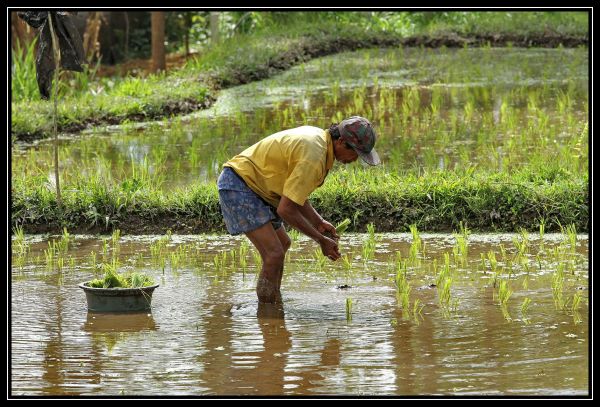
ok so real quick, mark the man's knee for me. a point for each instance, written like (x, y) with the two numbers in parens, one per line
(275, 256)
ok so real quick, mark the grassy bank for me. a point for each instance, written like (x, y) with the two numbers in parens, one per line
(246, 58)
(436, 201)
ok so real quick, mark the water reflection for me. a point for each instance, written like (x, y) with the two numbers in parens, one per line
(103, 322)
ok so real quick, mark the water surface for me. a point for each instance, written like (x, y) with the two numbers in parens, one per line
(206, 334)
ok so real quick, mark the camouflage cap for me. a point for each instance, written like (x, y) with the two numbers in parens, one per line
(358, 133)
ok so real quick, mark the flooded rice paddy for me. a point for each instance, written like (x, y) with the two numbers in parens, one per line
(399, 314)
(490, 108)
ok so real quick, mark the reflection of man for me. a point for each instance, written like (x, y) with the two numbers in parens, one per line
(271, 181)
(277, 343)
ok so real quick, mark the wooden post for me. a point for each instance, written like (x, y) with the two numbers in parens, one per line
(158, 41)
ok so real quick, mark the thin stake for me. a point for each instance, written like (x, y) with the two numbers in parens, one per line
(55, 92)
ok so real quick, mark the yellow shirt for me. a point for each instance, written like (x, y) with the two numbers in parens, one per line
(291, 163)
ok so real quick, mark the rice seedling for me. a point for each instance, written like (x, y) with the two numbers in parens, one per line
(417, 310)
(575, 306)
(159, 248)
(219, 262)
(49, 256)
(242, 255)
(542, 232)
(504, 292)
(294, 235)
(494, 264)
(257, 259)
(342, 226)
(571, 239)
(175, 260)
(402, 288)
(320, 261)
(482, 262)
(522, 243)
(461, 248)
(525, 309)
(113, 279)
(94, 261)
(20, 246)
(347, 263)
(444, 281)
(116, 245)
(105, 249)
(349, 309)
(63, 243)
(368, 248)
(558, 279)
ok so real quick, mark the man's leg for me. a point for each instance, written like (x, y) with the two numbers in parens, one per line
(286, 242)
(267, 242)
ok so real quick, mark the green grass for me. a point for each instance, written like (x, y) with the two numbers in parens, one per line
(436, 201)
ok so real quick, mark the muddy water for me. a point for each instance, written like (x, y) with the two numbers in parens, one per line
(206, 334)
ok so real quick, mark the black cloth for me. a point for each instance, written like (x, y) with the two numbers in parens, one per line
(69, 42)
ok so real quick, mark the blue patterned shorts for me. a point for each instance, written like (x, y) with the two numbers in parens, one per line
(243, 210)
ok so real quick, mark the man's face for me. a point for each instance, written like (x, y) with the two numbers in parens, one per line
(344, 153)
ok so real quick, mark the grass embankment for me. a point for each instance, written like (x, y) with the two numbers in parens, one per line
(436, 201)
(247, 58)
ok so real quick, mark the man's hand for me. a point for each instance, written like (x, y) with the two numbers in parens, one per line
(327, 229)
(329, 248)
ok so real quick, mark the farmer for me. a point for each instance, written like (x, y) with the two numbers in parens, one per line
(270, 182)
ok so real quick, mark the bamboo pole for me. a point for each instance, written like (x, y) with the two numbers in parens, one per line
(56, 50)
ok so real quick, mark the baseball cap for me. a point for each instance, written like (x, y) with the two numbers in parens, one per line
(359, 134)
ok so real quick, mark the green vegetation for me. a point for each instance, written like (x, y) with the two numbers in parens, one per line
(436, 201)
(277, 42)
(113, 279)
(342, 226)
(349, 309)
